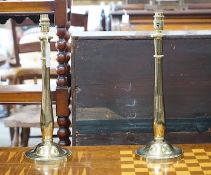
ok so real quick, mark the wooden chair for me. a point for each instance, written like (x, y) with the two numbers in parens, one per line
(25, 116)
(18, 119)
(32, 44)
(58, 12)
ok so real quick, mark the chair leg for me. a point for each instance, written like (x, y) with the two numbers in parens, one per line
(11, 133)
(25, 136)
(14, 137)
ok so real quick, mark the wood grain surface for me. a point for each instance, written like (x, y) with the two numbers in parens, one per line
(102, 160)
(117, 73)
(140, 20)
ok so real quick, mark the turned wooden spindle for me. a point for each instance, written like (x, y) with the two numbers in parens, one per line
(63, 84)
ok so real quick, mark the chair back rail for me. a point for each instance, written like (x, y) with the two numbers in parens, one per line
(19, 10)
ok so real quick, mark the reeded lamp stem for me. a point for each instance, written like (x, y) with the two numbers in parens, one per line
(159, 118)
(46, 118)
(159, 150)
(47, 150)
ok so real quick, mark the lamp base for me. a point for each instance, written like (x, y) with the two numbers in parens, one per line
(48, 151)
(159, 151)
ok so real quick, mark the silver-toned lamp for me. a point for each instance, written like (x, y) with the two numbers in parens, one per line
(159, 149)
(47, 150)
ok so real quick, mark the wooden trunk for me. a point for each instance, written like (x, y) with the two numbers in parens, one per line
(113, 81)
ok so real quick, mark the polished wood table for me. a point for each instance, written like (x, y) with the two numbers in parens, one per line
(107, 160)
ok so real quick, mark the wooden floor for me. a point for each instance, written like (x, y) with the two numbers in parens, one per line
(107, 160)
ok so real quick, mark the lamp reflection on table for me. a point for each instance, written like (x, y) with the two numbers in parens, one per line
(52, 167)
(162, 168)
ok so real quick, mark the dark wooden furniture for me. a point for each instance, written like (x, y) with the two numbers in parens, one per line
(57, 9)
(196, 17)
(113, 82)
(104, 160)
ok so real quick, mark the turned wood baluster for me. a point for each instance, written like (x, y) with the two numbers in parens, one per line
(63, 70)
(63, 96)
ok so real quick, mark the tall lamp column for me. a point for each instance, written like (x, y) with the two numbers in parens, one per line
(159, 149)
(47, 150)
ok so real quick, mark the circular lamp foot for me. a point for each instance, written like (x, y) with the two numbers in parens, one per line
(48, 151)
(159, 151)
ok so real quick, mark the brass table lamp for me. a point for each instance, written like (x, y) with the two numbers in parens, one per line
(159, 149)
(47, 150)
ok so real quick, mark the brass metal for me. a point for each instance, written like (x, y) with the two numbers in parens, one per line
(47, 150)
(159, 149)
